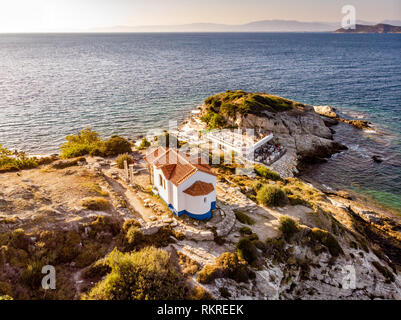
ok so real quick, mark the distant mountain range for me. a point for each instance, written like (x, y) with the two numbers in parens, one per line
(257, 26)
(378, 28)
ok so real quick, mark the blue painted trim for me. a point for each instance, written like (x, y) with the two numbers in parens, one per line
(214, 205)
(205, 216)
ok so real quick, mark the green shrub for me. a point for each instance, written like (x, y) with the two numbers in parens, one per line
(244, 218)
(144, 144)
(265, 172)
(246, 250)
(328, 240)
(97, 269)
(90, 252)
(85, 142)
(104, 224)
(245, 230)
(199, 293)
(96, 204)
(15, 162)
(19, 239)
(209, 273)
(227, 265)
(270, 195)
(144, 275)
(134, 236)
(32, 275)
(256, 186)
(116, 145)
(123, 157)
(130, 223)
(95, 189)
(214, 120)
(288, 226)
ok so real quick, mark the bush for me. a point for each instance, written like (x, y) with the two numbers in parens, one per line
(144, 144)
(270, 195)
(200, 293)
(214, 120)
(96, 204)
(256, 186)
(95, 189)
(288, 226)
(32, 275)
(328, 240)
(209, 273)
(130, 223)
(85, 142)
(245, 230)
(104, 224)
(19, 239)
(121, 158)
(134, 236)
(144, 275)
(97, 269)
(116, 145)
(244, 218)
(15, 162)
(246, 250)
(227, 265)
(265, 172)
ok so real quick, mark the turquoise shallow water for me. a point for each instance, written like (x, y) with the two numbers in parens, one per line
(54, 85)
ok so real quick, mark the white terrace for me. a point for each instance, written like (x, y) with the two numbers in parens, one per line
(237, 141)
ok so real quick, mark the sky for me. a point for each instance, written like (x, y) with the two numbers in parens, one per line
(81, 15)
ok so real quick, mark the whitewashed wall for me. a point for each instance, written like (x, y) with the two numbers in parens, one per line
(185, 201)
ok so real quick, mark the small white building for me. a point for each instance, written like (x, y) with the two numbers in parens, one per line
(187, 185)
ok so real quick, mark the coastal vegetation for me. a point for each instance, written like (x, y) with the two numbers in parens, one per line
(15, 161)
(144, 144)
(243, 217)
(226, 266)
(122, 158)
(265, 172)
(271, 195)
(144, 275)
(89, 142)
(288, 226)
(95, 203)
(228, 105)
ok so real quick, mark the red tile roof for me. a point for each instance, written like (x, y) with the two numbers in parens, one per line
(199, 188)
(176, 166)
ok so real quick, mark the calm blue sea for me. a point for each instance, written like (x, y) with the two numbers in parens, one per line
(54, 85)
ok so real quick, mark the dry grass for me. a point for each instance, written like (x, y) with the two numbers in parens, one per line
(188, 266)
(96, 204)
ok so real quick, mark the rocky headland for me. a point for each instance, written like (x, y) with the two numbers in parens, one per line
(272, 236)
(306, 135)
(378, 28)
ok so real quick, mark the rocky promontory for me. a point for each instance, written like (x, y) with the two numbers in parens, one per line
(303, 132)
(378, 28)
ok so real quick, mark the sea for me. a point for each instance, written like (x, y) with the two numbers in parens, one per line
(52, 85)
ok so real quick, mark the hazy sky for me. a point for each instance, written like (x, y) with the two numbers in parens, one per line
(69, 15)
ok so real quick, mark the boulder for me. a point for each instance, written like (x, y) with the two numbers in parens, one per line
(326, 111)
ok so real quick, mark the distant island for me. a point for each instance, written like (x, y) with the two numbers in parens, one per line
(254, 26)
(378, 28)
